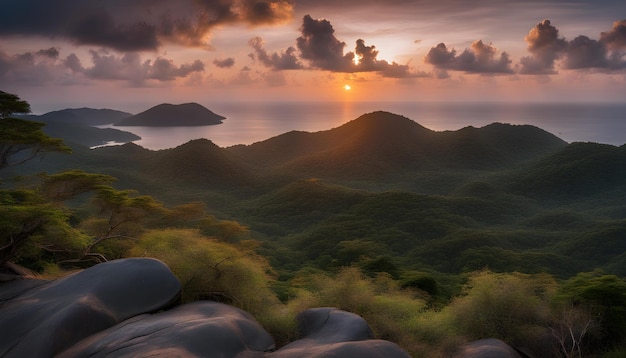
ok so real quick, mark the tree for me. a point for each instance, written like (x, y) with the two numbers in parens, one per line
(604, 296)
(570, 330)
(210, 269)
(34, 222)
(22, 140)
(10, 103)
(513, 307)
(30, 224)
(117, 215)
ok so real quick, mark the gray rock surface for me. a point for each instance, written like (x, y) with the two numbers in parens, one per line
(51, 317)
(487, 348)
(200, 329)
(123, 308)
(329, 332)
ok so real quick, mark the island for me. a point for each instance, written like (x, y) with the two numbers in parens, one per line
(171, 115)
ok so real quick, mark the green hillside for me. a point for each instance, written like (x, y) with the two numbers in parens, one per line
(411, 228)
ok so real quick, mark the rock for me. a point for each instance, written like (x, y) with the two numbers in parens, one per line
(329, 332)
(487, 348)
(123, 308)
(200, 329)
(51, 317)
(17, 285)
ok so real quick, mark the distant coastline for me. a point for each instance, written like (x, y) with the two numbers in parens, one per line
(254, 121)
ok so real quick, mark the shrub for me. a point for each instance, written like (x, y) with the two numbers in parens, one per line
(209, 269)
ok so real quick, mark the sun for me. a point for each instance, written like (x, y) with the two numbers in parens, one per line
(347, 87)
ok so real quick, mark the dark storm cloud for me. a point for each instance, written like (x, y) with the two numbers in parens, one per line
(136, 25)
(224, 63)
(479, 58)
(287, 60)
(582, 52)
(319, 46)
(263, 12)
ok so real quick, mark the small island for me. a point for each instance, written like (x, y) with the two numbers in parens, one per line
(171, 115)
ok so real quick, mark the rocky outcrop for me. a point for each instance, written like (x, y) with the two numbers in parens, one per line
(124, 308)
(487, 348)
(329, 332)
(200, 329)
(51, 317)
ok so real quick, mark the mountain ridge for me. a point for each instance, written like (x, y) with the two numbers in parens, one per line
(84, 115)
(379, 142)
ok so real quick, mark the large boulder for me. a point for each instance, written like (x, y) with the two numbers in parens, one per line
(329, 332)
(487, 348)
(51, 317)
(125, 308)
(200, 329)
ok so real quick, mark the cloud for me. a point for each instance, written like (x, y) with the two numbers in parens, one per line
(137, 25)
(582, 52)
(31, 68)
(165, 70)
(479, 58)
(73, 63)
(287, 60)
(262, 12)
(615, 39)
(130, 67)
(46, 66)
(322, 50)
(224, 63)
(545, 46)
(367, 61)
(319, 46)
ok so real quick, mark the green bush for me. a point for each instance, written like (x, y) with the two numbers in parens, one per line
(209, 269)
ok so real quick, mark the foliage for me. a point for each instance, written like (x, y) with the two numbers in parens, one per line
(209, 269)
(511, 307)
(68, 184)
(395, 247)
(604, 297)
(386, 307)
(10, 103)
(32, 230)
(22, 140)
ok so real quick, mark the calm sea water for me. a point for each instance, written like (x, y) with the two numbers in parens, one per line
(247, 123)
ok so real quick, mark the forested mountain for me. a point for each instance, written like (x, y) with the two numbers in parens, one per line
(76, 125)
(501, 196)
(380, 202)
(171, 115)
(380, 144)
(86, 116)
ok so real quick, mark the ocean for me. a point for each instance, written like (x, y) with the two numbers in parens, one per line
(247, 123)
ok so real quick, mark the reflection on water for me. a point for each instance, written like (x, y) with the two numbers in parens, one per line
(247, 123)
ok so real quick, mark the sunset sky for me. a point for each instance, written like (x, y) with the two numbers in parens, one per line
(132, 54)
